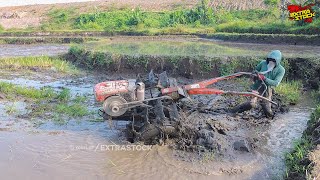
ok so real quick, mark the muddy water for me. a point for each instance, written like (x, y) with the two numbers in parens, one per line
(32, 50)
(75, 87)
(277, 139)
(82, 149)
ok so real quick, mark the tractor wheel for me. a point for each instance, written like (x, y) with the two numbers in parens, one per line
(148, 132)
(129, 133)
(114, 106)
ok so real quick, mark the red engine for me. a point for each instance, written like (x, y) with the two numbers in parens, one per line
(117, 94)
(105, 89)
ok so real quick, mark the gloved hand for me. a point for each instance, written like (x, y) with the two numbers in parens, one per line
(255, 72)
(262, 77)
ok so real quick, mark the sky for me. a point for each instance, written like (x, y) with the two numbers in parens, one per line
(4, 3)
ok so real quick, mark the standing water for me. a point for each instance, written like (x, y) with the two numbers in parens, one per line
(278, 139)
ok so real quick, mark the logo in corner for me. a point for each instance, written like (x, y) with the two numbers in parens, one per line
(299, 13)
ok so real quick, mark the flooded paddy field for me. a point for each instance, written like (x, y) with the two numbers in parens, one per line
(9, 50)
(56, 144)
(162, 45)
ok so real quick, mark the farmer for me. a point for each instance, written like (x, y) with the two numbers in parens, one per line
(271, 72)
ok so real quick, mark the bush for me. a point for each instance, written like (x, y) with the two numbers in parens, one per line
(271, 3)
(290, 91)
(59, 18)
(251, 15)
(179, 21)
(202, 13)
(124, 19)
(104, 20)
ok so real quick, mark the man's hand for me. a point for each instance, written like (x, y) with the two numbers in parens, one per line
(262, 77)
(255, 72)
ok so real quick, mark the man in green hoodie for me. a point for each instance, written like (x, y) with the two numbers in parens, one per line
(271, 72)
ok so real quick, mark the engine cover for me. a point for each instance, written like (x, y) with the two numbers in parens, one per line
(109, 88)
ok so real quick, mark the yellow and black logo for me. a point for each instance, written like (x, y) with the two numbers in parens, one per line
(301, 13)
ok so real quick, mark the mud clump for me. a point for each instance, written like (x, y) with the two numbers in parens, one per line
(206, 125)
(241, 146)
(195, 135)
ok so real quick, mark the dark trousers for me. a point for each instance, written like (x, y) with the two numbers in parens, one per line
(253, 103)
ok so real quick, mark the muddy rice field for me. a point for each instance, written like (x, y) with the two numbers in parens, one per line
(47, 145)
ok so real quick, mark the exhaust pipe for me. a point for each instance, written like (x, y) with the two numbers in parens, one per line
(140, 91)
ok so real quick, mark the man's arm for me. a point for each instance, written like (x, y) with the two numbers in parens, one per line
(258, 67)
(277, 80)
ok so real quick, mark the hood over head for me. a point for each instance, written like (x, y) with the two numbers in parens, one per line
(275, 54)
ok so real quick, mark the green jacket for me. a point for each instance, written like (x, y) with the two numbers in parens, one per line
(274, 77)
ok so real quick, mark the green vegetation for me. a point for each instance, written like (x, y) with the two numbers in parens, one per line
(57, 119)
(43, 62)
(305, 69)
(143, 59)
(64, 95)
(109, 54)
(298, 164)
(290, 91)
(190, 21)
(59, 104)
(208, 156)
(127, 19)
(59, 18)
(165, 48)
(272, 27)
(11, 90)
(200, 19)
(187, 58)
(268, 38)
(315, 94)
(301, 149)
(73, 110)
(38, 40)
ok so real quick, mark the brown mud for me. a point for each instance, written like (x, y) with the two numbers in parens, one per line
(244, 147)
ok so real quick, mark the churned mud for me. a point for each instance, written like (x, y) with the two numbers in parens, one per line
(211, 142)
